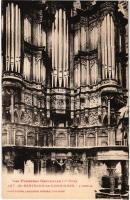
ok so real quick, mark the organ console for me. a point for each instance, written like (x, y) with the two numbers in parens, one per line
(88, 36)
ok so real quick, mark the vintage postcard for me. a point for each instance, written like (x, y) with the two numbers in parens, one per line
(64, 99)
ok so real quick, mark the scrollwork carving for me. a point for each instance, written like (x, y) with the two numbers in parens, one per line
(93, 117)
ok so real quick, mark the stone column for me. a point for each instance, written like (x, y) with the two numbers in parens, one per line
(124, 184)
(89, 168)
(102, 48)
(37, 164)
(111, 168)
(43, 166)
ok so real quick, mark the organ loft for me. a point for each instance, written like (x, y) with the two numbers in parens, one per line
(65, 89)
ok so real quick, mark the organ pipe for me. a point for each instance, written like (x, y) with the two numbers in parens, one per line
(12, 37)
(67, 47)
(102, 49)
(108, 40)
(60, 40)
(56, 41)
(19, 39)
(8, 37)
(53, 52)
(16, 39)
(113, 48)
(65, 44)
(105, 30)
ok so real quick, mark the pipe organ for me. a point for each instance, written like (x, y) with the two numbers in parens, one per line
(64, 67)
(88, 36)
(60, 65)
(108, 48)
(13, 38)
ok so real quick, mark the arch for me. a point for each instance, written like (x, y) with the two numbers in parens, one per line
(19, 138)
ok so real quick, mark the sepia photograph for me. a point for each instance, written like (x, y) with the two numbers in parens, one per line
(65, 115)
